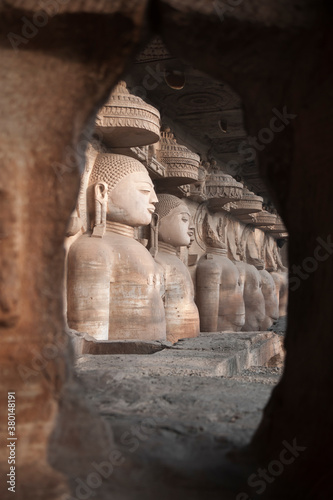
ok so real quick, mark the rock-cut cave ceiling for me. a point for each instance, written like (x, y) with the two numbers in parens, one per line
(205, 114)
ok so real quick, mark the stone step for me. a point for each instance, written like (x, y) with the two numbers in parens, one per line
(211, 354)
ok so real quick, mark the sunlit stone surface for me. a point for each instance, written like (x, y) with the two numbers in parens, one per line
(182, 317)
(114, 284)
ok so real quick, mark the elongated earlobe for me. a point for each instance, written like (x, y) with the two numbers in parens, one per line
(154, 234)
(101, 200)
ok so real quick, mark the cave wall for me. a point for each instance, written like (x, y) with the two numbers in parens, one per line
(277, 56)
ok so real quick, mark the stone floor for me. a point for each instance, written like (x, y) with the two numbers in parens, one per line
(178, 415)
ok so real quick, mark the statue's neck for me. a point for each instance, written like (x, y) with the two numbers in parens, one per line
(117, 227)
(167, 248)
(217, 251)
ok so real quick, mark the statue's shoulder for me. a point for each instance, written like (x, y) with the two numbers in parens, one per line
(172, 263)
(89, 249)
(164, 259)
(208, 264)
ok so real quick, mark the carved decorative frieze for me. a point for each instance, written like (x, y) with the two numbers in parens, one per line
(125, 120)
(249, 204)
(182, 164)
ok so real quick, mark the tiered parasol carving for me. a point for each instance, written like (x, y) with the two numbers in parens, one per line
(126, 120)
(182, 164)
(249, 204)
(221, 189)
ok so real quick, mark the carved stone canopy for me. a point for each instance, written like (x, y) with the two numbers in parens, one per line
(197, 190)
(125, 120)
(262, 219)
(246, 218)
(221, 189)
(249, 204)
(278, 228)
(283, 235)
(154, 51)
(182, 164)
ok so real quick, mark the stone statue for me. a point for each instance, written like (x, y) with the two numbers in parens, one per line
(270, 261)
(281, 284)
(251, 247)
(244, 252)
(218, 285)
(239, 252)
(254, 247)
(271, 300)
(253, 297)
(114, 285)
(278, 272)
(181, 313)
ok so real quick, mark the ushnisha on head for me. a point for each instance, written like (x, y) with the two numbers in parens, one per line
(174, 222)
(122, 186)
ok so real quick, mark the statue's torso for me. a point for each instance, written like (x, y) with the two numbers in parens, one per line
(182, 316)
(270, 297)
(281, 284)
(253, 297)
(115, 281)
(229, 290)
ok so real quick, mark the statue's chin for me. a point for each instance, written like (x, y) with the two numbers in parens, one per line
(123, 217)
(181, 242)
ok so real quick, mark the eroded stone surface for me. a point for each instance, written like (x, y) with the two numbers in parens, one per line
(287, 164)
(177, 426)
(255, 40)
(51, 83)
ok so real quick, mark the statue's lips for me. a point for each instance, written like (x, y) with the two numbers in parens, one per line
(151, 210)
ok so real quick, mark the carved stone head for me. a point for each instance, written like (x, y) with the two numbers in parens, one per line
(213, 233)
(122, 184)
(175, 220)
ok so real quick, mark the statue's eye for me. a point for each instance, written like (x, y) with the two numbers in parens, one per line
(145, 191)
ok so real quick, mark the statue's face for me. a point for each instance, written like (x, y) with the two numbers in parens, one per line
(132, 201)
(174, 227)
(191, 233)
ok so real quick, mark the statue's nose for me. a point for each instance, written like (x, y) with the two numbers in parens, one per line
(153, 198)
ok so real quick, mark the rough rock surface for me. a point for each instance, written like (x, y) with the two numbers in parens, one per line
(53, 78)
(175, 423)
(279, 58)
